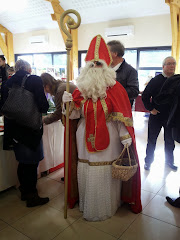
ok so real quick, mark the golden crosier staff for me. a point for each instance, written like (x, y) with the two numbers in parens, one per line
(71, 24)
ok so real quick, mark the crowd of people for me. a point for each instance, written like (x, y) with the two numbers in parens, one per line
(101, 125)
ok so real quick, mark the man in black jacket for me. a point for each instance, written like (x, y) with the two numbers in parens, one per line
(125, 73)
(3, 73)
(159, 115)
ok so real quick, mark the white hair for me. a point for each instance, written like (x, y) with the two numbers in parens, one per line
(22, 65)
(94, 82)
(164, 61)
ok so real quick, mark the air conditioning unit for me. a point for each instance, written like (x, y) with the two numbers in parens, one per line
(39, 39)
(119, 31)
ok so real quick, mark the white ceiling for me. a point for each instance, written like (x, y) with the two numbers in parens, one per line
(28, 15)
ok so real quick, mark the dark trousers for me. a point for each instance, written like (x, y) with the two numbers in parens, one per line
(27, 175)
(154, 127)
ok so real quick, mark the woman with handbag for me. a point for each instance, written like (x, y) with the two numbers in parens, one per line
(23, 137)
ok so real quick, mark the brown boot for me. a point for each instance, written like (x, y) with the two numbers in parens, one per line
(34, 200)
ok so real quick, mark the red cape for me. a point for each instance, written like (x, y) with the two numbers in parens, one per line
(115, 107)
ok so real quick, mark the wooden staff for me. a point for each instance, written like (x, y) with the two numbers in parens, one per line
(71, 24)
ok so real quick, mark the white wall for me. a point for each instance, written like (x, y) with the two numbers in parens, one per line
(149, 31)
(55, 42)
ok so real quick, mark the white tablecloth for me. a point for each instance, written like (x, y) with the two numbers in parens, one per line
(53, 143)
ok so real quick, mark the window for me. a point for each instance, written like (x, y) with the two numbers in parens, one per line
(150, 63)
(52, 63)
(28, 58)
(153, 58)
(42, 60)
(145, 76)
(131, 57)
(60, 65)
(83, 63)
(60, 59)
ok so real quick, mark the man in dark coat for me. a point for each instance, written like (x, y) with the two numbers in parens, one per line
(26, 143)
(170, 93)
(3, 68)
(125, 73)
(3, 73)
(159, 116)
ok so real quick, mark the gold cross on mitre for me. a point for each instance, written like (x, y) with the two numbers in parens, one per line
(92, 140)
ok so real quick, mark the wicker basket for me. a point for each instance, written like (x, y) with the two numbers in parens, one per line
(124, 168)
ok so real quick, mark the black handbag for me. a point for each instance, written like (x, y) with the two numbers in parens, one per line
(21, 107)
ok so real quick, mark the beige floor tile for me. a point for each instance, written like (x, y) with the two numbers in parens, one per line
(57, 175)
(10, 233)
(173, 177)
(43, 224)
(169, 189)
(146, 197)
(158, 170)
(42, 180)
(154, 179)
(58, 203)
(49, 188)
(152, 184)
(147, 228)
(2, 225)
(81, 231)
(160, 209)
(11, 207)
(117, 224)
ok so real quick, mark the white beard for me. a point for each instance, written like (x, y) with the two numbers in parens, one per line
(93, 82)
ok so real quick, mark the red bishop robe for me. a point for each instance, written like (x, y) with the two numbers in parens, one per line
(115, 107)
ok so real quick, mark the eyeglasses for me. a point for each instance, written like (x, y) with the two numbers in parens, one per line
(169, 64)
(98, 63)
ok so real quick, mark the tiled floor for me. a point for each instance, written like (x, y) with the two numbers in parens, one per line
(158, 220)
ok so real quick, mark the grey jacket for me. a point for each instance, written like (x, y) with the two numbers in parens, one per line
(128, 77)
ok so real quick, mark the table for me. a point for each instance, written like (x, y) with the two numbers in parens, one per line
(8, 167)
(53, 144)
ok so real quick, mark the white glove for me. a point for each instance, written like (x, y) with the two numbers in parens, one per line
(63, 109)
(127, 141)
(67, 97)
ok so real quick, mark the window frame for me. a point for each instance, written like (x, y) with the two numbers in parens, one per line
(139, 49)
(52, 53)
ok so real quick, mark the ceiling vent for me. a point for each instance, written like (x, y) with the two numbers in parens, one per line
(120, 31)
(39, 39)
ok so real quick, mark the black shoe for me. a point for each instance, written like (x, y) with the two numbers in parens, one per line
(173, 202)
(23, 194)
(62, 179)
(34, 200)
(147, 166)
(23, 197)
(172, 166)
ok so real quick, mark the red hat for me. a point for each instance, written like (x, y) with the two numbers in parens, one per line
(98, 50)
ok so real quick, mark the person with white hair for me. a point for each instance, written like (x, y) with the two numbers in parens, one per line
(26, 142)
(104, 128)
(159, 115)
